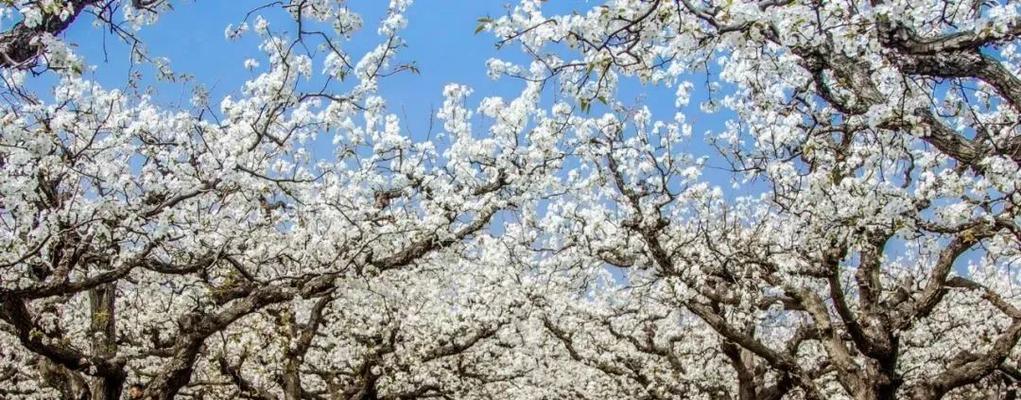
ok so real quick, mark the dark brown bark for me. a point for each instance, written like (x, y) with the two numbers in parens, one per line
(16, 313)
(197, 327)
(103, 328)
(19, 47)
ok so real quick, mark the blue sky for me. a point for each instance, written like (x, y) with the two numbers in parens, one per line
(440, 38)
(440, 41)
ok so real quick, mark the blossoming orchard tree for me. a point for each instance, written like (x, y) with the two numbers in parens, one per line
(294, 241)
(149, 251)
(870, 249)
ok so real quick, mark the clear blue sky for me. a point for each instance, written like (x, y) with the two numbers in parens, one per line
(440, 38)
(440, 41)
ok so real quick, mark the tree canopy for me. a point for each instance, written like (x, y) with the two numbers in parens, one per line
(846, 228)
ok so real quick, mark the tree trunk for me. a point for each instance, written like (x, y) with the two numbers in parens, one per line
(103, 327)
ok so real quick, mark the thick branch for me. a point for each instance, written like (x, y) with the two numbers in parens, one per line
(20, 46)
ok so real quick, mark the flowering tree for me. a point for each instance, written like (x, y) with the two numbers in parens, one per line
(210, 253)
(877, 259)
(540, 246)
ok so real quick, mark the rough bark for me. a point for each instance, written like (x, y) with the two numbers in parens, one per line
(19, 46)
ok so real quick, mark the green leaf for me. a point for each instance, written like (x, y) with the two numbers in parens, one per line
(483, 22)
